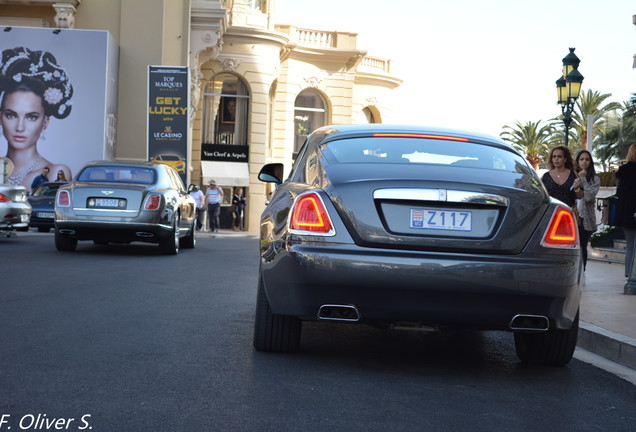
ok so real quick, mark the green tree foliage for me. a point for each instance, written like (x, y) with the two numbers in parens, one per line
(532, 139)
(591, 103)
(613, 142)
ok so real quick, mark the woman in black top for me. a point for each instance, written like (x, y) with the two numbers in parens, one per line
(560, 181)
(626, 204)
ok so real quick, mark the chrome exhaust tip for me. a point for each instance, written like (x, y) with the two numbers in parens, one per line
(530, 322)
(67, 231)
(332, 312)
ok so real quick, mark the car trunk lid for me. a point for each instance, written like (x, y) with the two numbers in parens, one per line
(122, 200)
(444, 209)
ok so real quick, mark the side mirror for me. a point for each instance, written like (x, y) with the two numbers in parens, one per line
(271, 173)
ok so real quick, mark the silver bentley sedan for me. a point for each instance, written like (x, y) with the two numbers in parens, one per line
(118, 202)
(411, 227)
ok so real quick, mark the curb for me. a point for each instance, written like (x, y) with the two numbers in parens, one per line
(613, 346)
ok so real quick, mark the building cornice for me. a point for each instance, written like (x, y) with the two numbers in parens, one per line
(258, 34)
(73, 3)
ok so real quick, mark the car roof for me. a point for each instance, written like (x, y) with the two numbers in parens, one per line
(136, 163)
(342, 131)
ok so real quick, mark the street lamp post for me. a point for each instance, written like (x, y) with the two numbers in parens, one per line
(568, 89)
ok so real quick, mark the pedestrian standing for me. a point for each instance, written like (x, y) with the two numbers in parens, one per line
(560, 181)
(626, 204)
(238, 205)
(590, 184)
(199, 198)
(214, 195)
(42, 178)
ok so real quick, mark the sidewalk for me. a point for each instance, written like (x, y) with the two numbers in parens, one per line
(608, 317)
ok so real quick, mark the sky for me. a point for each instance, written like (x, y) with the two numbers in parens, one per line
(482, 64)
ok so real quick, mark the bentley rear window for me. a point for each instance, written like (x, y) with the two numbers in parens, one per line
(117, 174)
(406, 150)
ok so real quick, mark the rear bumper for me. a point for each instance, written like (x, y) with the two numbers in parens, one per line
(37, 222)
(16, 216)
(116, 232)
(449, 290)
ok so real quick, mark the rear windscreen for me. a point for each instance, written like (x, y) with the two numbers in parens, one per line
(117, 174)
(422, 151)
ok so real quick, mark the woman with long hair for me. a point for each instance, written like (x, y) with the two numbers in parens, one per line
(33, 87)
(560, 181)
(590, 184)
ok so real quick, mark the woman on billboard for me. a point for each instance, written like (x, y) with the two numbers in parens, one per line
(32, 89)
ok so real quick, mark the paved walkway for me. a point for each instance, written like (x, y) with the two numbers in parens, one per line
(608, 317)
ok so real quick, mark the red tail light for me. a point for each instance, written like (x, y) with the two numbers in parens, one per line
(309, 216)
(562, 231)
(4, 198)
(63, 199)
(152, 202)
(418, 135)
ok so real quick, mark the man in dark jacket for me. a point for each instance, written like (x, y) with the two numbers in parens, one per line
(626, 204)
(42, 178)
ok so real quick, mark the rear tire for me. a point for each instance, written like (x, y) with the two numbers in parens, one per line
(189, 241)
(274, 333)
(552, 348)
(64, 244)
(170, 245)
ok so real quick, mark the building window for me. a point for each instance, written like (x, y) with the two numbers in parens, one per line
(309, 114)
(225, 111)
(365, 116)
(258, 5)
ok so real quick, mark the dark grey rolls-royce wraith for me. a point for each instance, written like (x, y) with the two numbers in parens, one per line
(399, 226)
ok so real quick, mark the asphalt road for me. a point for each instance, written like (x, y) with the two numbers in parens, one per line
(121, 338)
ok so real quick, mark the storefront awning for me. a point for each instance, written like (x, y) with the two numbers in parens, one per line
(225, 173)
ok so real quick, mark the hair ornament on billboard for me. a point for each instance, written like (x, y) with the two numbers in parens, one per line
(23, 69)
(53, 95)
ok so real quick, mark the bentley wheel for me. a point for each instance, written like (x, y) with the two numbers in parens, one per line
(189, 241)
(553, 347)
(170, 245)
(274, 333)
(64, 244)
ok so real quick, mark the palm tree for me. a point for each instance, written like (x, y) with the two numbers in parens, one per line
(591, 103)
(613, 142)
(533, 139)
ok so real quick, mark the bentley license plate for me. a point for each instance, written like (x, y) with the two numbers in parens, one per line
(453, 220)
(107, 203)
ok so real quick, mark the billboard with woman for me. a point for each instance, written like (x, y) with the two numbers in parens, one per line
(57, 99)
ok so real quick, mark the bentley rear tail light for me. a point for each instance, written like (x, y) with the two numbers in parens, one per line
(152, 202)
(562, 230)
(4, 198)
(63, 199)
(309, 216)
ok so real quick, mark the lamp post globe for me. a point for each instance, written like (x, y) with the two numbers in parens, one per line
(568, 89)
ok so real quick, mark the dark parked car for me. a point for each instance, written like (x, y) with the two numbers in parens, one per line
(408, 227)
(14, 208)
(118, 202)
(43, 206)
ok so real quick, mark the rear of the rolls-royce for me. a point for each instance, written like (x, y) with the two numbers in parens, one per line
(438, 230)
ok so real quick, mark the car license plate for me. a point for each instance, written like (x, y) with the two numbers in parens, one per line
(116, 203)
(441, 219)
(45, 215)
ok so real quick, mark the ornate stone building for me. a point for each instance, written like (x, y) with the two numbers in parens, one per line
(258, 87)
